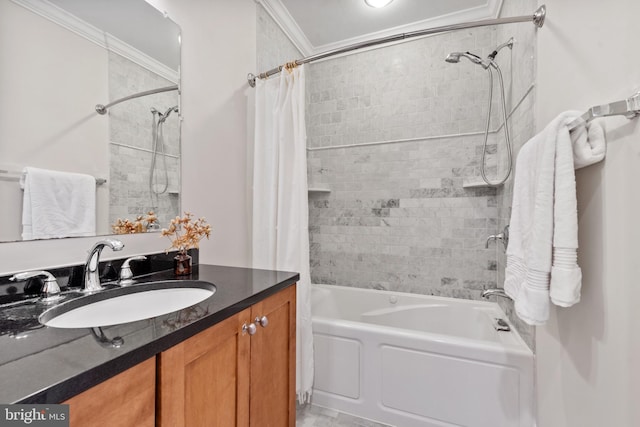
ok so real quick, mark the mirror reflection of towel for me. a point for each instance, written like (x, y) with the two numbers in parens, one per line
(57, 204)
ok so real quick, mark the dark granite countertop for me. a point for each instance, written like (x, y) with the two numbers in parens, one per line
(40, 364)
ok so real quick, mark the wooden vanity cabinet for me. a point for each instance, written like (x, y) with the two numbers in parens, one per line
(240, 372)
(203, 380)
(127, 399)
(273, 362)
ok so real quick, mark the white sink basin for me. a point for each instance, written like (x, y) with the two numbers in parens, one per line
(128, 304)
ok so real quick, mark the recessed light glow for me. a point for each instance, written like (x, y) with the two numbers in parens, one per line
(378, 3)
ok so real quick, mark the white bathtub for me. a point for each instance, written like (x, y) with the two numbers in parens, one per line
(413, 360)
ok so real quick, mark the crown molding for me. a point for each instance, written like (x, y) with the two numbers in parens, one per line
(66, 20)
(285, 21)
(116, 45)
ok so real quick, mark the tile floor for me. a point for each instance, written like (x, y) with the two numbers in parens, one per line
(316, 416)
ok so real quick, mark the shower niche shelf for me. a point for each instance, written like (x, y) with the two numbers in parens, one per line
(477, 183)
(318, 190)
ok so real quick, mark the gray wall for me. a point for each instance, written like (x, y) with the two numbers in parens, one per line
(398, 217)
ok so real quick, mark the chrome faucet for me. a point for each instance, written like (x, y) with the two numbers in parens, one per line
(91, 274)
(51, 288)
(495, 292)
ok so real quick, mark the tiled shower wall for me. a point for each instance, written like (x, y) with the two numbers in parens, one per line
(273, 47)
(398, 216)
(131, 127)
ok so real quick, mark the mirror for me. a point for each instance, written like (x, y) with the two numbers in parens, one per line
(59, 59)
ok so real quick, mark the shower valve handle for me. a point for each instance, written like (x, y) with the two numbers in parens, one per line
(493, 237)
(503, 237)
(263, 321)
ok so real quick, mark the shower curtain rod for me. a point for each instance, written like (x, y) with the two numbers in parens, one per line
(537, 18)
(102, 109)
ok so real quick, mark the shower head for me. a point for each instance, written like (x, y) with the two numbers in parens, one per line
(454, 58)
(508, 43)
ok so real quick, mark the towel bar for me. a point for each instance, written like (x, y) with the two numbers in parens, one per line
(7, 175)
(629, 108)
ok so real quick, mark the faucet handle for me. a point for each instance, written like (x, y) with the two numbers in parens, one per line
(51, 288)
(125, 271)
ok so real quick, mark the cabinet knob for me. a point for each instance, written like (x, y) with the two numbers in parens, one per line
(263, 321)
(250, 328)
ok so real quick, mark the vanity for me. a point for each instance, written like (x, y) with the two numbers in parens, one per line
(226, 361)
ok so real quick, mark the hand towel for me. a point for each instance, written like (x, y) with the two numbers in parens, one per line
(566, 276)
(589, 145)
(57, 204)
(586, 145)
(542, 253)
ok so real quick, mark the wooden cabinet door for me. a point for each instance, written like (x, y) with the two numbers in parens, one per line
(204, 381)
(273, 361)
(126, 400)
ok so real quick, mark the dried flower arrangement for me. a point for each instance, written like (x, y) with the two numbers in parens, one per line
(185, 234)
(140, 225)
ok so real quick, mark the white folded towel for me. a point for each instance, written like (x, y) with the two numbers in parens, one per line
(57, 204)
(589, 145)
(543, 241)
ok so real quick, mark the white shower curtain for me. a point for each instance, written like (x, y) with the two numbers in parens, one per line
(280, 205)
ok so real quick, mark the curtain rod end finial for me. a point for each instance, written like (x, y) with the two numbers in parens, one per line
(539, 15)
(251, 78)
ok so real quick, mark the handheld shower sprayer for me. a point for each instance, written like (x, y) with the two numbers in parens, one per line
(156, 188)
(489, 65)
(454, 58)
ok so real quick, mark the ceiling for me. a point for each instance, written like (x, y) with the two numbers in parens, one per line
(136, 23)
(319, 25)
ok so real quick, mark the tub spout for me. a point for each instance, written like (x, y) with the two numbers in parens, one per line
(495, 293)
